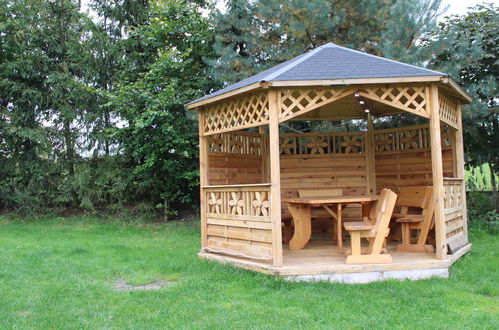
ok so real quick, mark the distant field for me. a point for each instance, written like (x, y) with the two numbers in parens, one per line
(61, 274)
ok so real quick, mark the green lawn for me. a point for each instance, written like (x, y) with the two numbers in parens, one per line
(59, 274)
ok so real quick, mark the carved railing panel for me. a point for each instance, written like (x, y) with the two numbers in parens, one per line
(448, 109)
(322, 143)
(238, 201)
(412, 138)
(238, 220)
(454, 207)
(242, 143)
(408, 98)
(242, 112)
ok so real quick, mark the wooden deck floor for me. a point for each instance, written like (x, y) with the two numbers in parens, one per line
(320, 256)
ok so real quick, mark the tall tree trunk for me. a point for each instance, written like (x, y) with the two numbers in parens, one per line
(70, 151)
(494, 187)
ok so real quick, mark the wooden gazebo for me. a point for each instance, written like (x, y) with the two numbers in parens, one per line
(245, 172)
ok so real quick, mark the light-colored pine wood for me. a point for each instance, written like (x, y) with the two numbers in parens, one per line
(376, 232)
(459, 150)
(302, 224)
(234, 114)
(420, 197)
(370, 161)
(437, 173)
(239, 92)
(275, 177)
(203, 177)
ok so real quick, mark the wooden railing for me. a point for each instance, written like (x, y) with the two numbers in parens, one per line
(411, 138)
(455, 217)
(322, 143)
(241, 143)
(238, 220)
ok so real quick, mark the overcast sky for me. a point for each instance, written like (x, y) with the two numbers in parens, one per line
(459, 7)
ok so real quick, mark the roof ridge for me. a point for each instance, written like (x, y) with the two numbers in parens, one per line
(387, 59)
(298, 61)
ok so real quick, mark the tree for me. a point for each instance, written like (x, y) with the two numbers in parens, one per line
(160, 136)
(410, 23)
(466, 47)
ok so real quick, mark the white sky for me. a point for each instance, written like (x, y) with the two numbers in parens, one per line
(460, 7)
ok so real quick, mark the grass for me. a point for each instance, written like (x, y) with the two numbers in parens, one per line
(58, 273)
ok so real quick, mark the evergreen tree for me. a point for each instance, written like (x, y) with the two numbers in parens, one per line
(467, 48)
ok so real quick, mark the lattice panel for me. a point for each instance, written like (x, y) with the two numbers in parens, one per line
(238, 202)
(320, 143)
(296, 101)
(448, 109)
(236, 143)
(409, 98)
(242, 112)
(408, 139)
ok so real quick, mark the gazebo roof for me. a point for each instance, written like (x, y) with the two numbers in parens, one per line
(331, 64)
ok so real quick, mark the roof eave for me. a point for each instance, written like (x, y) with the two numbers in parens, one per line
(463, 96)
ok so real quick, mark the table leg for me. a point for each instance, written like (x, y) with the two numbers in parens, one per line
(340, 229)
(303, 226)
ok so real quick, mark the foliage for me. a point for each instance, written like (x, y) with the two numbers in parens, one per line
(160, 136)
(466, 47)
(254, 35)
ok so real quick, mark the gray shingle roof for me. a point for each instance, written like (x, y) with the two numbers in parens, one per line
(331, 61)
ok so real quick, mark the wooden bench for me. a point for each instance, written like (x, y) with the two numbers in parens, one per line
(421, 199)
(375, 232)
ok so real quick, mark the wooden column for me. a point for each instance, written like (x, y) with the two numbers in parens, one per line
(275, 177)
(265, 154)
(437, 172)
(459, 159)
(203, 177)
(370, 158)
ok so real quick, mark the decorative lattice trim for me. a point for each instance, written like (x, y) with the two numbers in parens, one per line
(448, 109)
(408, 98)
(297, 101)
(238, 113)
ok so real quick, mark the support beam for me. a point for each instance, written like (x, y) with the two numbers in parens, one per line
(370, 160)
(265, 154)
(437, 173)
(275, 177)
(459, 154)
(203, 177)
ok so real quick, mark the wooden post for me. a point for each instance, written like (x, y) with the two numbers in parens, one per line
(459, 154)
(275, 177)
(265, 154)
(370, 157)
(437, 172)
(203, 177)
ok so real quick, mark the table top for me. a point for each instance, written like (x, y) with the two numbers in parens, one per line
(331, 200)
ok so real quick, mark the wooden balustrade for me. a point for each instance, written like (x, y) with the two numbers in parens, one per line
(238, 220)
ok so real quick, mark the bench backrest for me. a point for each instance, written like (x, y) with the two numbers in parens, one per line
(414, 196)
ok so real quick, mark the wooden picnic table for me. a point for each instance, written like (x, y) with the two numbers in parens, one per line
(300, 209)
